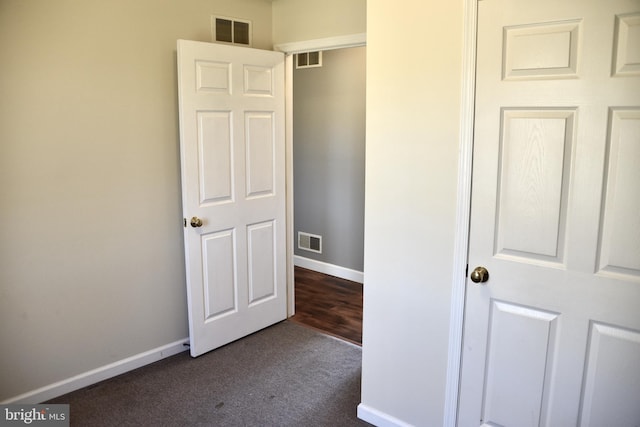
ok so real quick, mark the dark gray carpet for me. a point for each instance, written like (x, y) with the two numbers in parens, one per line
(285, 375)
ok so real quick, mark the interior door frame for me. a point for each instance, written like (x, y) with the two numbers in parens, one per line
(290, 49)
(463, 211)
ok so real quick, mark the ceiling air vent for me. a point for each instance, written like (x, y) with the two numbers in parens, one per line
(309, 59)
(231, 30)
(309, 242)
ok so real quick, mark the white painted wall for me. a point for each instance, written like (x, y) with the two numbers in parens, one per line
(414, 60)
(91, 256)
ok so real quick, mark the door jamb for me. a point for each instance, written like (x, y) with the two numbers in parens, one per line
(288, 132)
(463, 213)
(289, 49)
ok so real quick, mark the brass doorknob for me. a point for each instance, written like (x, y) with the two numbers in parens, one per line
(196, 222)
(479, 275)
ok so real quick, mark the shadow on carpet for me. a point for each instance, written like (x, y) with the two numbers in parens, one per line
(285, 375)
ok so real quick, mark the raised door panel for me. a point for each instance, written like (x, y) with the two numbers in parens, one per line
(541, 50)
(612, 377)
(626, 52)
(215, 154)
(258, 81)
(260, 152)
(519, 359)
(262, 262)
(620, 229)
(533, 175)
(219, 274)
(213, 77)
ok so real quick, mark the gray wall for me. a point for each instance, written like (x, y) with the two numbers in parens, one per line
(328, 153)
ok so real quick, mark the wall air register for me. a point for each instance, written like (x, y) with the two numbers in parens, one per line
(310, 242)
(231, 30)
(309, 59)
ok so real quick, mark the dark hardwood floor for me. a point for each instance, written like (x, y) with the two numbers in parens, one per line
(330, 304)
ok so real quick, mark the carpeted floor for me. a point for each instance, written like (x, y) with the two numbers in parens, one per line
(285, 375)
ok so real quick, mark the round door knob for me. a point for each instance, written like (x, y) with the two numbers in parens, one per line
(479, 275)
(196, 222)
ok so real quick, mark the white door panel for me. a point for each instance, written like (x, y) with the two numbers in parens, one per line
(551, 339)
(232, 148)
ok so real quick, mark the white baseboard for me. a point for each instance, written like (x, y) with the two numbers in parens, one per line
(331, 269)
(96, 375)
(377, 418)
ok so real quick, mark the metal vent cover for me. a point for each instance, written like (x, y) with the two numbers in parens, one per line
(231, 30)
(310, 242)
(309, 59)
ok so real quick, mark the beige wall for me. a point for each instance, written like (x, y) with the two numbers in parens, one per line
(414, 50)
(91, 254)
(91, 262)
(303, 20)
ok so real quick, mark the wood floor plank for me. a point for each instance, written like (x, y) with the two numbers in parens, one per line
(329, 303)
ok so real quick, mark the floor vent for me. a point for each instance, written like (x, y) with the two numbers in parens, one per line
(310, 242)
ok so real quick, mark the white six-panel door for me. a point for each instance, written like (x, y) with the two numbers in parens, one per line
(553, 337)
(231, 102)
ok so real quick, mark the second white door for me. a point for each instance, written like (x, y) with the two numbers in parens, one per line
(553, 337)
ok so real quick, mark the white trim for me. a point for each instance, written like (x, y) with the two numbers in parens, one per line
(377, 418)
(338, 42)
(331, 269)
(100, 374)
(288, 141)
(461, 255)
